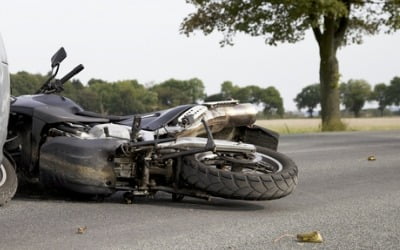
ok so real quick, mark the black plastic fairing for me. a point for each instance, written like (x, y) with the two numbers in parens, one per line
(51, 108)
(112, 118)
(258, 136)
(79, 165)
(156, 120)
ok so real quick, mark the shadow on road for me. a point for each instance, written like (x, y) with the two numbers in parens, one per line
(160, 199)
(219, 204)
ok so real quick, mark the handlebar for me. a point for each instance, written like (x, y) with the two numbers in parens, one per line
(72, 73)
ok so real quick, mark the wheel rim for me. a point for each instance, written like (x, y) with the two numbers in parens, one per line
(255, 163)
(3, 175)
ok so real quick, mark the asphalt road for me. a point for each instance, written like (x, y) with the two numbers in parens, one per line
(353, 202)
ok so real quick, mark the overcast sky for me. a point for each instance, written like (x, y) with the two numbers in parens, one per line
(129, 39)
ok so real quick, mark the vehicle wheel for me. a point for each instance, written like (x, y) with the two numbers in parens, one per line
(8, 181)
(263, 175)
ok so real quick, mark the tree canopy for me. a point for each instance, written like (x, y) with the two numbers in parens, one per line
(354, 95)
(381, 95)
(334, 23)
(394, 91)
(308, 98)
(176, 92)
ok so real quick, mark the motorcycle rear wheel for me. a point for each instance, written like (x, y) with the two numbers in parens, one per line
(8, 181)
(264, 175)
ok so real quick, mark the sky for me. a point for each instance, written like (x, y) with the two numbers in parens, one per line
(132, 39)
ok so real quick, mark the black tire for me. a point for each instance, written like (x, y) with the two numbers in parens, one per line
(8, 181)
(241, 185)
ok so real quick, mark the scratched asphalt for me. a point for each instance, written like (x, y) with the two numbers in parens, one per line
(354, 203)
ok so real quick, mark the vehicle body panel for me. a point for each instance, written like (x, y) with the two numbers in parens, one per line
(4, 96)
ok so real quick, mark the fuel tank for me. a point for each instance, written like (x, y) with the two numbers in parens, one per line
(79, 165)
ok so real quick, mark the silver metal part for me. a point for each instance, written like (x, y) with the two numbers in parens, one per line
(195, 113)
(197, 142)
(220, 103)
(221, 117)
(124, 167)
(3, 175)
(254, 163)
(115, 130)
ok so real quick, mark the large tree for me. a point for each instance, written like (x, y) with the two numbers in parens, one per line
(334, 23)
(309, 98)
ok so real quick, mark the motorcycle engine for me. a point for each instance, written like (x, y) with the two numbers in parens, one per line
(124, 167)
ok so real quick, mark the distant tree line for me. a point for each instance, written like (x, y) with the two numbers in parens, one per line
(353, 95)
(130, 97)
(268, 98)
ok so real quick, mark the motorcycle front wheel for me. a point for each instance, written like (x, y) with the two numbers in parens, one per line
(8, 181)
(262, 175)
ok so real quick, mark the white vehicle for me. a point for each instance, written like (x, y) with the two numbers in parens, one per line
(8, 178)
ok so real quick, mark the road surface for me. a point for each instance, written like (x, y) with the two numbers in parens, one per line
(353, 202)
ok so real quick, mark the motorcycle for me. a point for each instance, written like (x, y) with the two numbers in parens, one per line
(200, 150)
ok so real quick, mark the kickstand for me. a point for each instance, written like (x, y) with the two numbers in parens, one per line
(137, 120)
(210, 139)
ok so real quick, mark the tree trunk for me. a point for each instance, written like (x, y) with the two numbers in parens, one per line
(311, 111)
(329, 79)
(381, 110)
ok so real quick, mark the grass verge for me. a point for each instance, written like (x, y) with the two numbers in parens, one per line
(296, 126)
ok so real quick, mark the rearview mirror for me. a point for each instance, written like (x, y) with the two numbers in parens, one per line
(58, 57)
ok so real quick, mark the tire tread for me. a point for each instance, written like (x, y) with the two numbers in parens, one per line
(239, 185)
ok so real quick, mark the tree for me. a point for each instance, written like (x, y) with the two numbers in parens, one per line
(100, 97)
(309, 98)
(269, 98)
(215, 97)
(381, 95)
(354, 95)
(228, 90)
(177, 92)
(272, 100)
(24, 83)
(129, 97)
(394, 91)
(334, 23)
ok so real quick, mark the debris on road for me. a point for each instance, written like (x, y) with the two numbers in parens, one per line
(81, 230)
(371, 158)
(312, 237)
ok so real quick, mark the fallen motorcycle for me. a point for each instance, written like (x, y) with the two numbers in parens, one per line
(198, 150)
